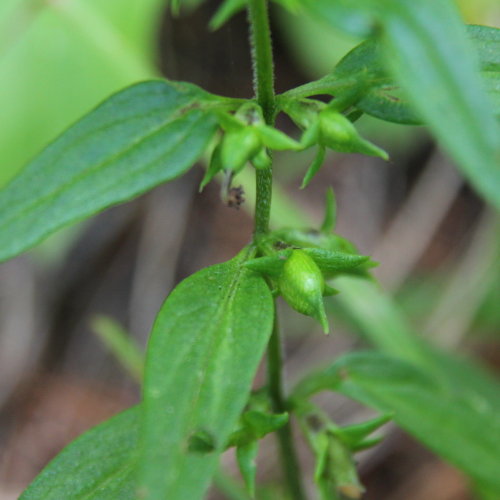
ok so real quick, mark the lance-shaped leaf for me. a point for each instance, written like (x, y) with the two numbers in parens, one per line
(463, 430)
(100, 464)
(426, 50)
(383, 98)
(205, 348)
(145, 135)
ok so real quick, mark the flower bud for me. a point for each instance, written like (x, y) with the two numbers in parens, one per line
(302, 285)
(339, 134)
(238, 147)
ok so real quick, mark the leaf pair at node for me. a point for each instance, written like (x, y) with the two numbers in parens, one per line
(299, 271)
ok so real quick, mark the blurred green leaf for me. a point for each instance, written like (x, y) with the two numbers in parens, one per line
(145, 135)
(62, 58)
(356, 19)
(206, 344)
(381, 323)
(438, 416)
(226, 10)
(425, 47)
(121, 345)
(382, 98)
(100, 464)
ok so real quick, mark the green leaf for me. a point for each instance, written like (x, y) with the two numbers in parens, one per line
(342, 14)
(99, 465)
(462, 431)
(147, 134)
(205, 348)
(425, 47)
(446, 89)
(383, 98)
(106, 47)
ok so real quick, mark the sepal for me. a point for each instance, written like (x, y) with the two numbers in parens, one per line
(314, 167)
(214, 167)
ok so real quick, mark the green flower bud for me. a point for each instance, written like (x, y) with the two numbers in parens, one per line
(302, 285)
(238, 147)
(339, 134)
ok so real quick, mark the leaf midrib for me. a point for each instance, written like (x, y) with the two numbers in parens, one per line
(87, 172)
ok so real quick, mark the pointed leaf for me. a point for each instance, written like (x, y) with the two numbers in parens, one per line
(147, 134)
(205, 348)
(100, 464)
(426, 50)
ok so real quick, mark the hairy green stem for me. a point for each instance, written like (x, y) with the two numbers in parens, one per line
(262, 60)
(291, 468)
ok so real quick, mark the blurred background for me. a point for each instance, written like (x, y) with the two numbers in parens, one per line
(437, 243)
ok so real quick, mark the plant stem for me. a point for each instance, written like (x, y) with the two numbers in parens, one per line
(289, 459)
(262, 60)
